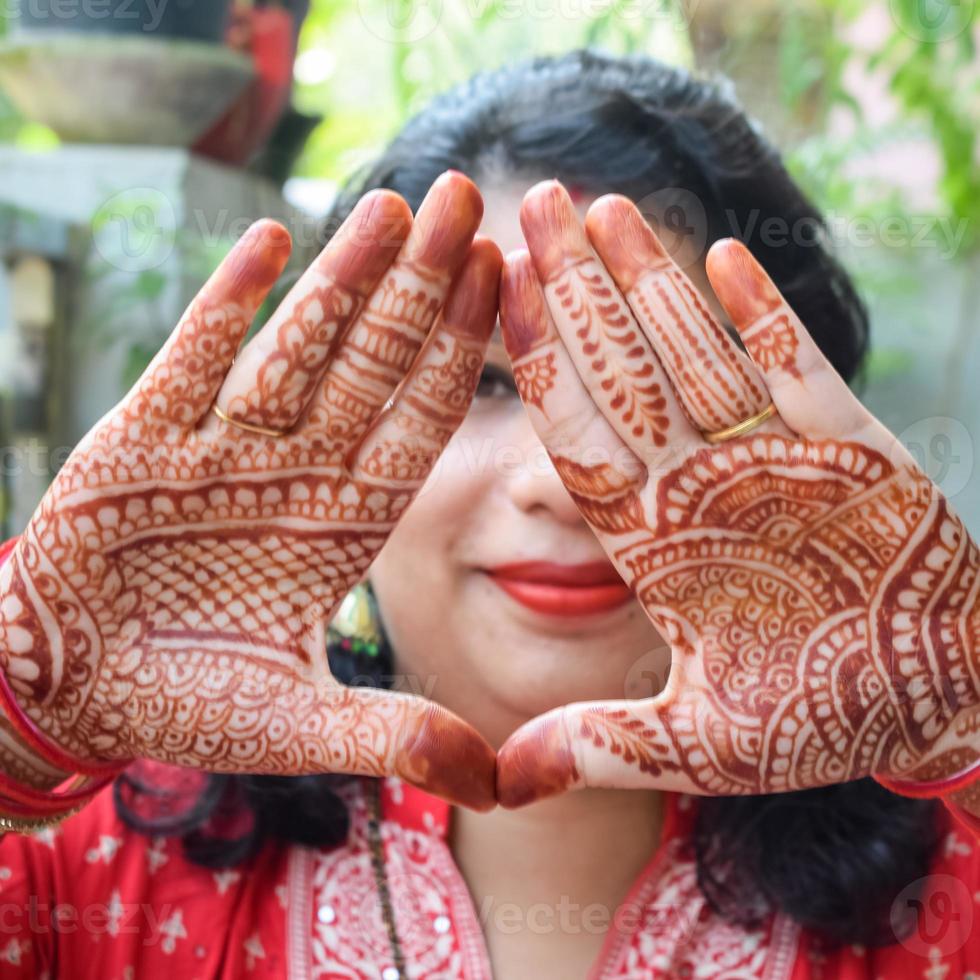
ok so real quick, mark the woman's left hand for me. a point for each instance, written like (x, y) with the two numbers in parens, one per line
(819, 595)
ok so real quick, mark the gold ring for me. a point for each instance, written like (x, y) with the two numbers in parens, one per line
(259, 430)
(741, 428)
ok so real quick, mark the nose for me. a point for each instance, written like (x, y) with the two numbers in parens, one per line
(533, 483)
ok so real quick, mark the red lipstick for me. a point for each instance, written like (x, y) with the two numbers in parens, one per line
(562, 590)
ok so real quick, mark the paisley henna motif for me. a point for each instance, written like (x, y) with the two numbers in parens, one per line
(821, 598)
(169, 598)
(606, 331)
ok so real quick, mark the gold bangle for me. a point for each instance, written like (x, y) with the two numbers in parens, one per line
(28, 825)
(741, 428)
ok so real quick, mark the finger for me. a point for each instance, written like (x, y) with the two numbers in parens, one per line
(383, 733)
(810, 395)
(225, 717)
(610, 352)
(715, 381)
(181, 383)
(383, 342)
(613, 744)
(404, 444)
(598, 469)
(274, 378)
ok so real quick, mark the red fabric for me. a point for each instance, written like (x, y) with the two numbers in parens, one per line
(129, 907)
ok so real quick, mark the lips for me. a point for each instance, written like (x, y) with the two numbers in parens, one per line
(562, 590)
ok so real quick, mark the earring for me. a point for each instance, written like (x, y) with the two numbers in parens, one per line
(356, 626)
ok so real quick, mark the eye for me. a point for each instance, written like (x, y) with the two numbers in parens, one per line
(495, 382)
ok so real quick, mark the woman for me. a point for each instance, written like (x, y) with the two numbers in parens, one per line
(809, 590)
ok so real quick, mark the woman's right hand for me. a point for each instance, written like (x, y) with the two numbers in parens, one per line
(169, 598)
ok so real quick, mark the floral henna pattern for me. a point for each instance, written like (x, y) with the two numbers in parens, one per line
(820, 597)
(535, 377)
(823, 609)
(289, 376)
(169, 598)
(787, 572)
(610, 340)
(772, 343)
(713, 380)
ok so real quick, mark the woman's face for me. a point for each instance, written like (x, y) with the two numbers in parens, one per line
(470, 633)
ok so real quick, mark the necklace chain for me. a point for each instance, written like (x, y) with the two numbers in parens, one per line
(381, 880)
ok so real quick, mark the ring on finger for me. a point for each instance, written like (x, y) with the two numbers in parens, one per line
(259, 430)
(741, 428)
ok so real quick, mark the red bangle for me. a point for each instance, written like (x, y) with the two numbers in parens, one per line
(41, 744)
(39, 741)
(929, 788)
(19, 800)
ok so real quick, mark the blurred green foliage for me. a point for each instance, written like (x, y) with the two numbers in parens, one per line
(367, 66)
(924, 57)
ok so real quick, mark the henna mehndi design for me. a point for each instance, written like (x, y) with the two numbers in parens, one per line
(169, 598)
(821, 599)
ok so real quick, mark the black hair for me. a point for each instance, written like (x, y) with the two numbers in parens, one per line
(833, 858)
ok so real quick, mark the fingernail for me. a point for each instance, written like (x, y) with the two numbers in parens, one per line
(524, 318)
(740, 282)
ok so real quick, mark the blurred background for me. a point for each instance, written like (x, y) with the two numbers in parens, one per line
(139, 138)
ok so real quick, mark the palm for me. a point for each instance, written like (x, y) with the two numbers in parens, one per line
(189, 566)
(776, 573)
(817, 592)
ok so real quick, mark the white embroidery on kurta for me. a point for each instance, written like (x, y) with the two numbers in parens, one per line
(156, 854)
(955, 845)
(105, 850)
(670, 931)
(253, 951)
(282, 893)
(13, 952)
(172, 930)
(224, 879)
(47, 836)
(116, 911)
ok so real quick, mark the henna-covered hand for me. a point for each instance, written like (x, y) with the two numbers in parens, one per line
(170, 596)
(819, 594)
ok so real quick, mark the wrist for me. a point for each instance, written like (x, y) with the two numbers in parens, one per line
(17, 758)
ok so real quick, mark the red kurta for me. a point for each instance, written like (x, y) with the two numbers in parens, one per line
(92, 899)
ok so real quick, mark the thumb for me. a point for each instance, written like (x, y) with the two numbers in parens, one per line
(612, 744)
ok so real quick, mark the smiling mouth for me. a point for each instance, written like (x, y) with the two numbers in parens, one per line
(562, 590)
